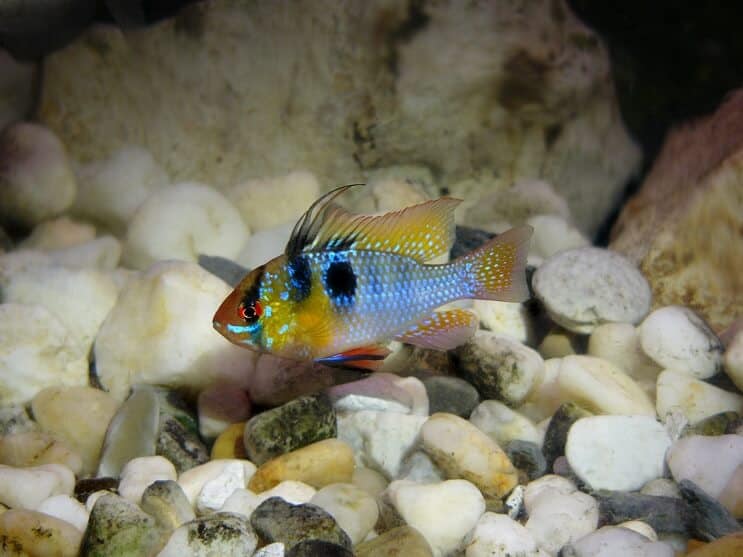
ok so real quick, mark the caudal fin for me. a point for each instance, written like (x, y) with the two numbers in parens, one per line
(496, 270)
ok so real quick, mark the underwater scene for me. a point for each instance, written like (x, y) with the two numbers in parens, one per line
(382, 278)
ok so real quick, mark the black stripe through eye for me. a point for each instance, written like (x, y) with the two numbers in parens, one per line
(251, 297)
(300, 278)
(340, 280)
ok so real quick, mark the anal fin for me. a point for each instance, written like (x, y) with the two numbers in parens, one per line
(443, 330)
(366, 358)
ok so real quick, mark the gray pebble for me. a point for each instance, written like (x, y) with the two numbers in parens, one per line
(223, 534)
(178, 437)
(666, 515)
(557, 430)
(528, 457)
(709, 520)
(167, 503)
(451, 394)
(318, 548)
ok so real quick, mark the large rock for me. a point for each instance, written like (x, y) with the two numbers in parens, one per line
(683, 226)
(371, 84)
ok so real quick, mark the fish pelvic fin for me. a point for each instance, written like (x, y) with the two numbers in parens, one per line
(497, 269)
(364, 358)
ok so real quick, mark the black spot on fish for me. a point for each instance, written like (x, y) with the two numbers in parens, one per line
(300, 278)
(340, 280)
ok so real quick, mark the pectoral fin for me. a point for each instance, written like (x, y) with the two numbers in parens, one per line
(366, 358)
(443, 330)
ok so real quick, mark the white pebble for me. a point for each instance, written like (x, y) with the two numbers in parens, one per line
(553, 234)
(67, 508)
(546, 397)
(709, 462)
(507, 318)
(354, 510)
(102, 253)
(619, 453)
(218, 489)
(601, 387)
(26, 488)
(614, 541)
(291, 491)
(498, 535)
(62, 232)
(444, 513)
(503, 424)
(275, 549)
(192, 481)
(139, 473)
(369, 480)
(695, 399)
(584, 287)
(181, 222)
(241, 501)
(677, 338)
(619, 343)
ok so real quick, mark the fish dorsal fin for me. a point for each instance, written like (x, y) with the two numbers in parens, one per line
(423, 231)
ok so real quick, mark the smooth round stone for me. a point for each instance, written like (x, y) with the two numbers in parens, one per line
(219, 406)
(499, 367)
(32, 533)
(733, 359)
(709, 462)
(244, 501)
(527, 457)
(613, 541)
(36, 177)
(552, 234)
(287, 196)
(26, 488)
(67, 508)
(557, 431)
(503, 424)
(15, 419)
(119, 527)
(696, 400)
(276, 520)
(619, 343)
(193, 481)
(78, 416)
(319, 464)
(380, 440)
(585, 287)
(32, 448)
(62, 232)
(617, 452)
(103, 253)
(354, 510)
(498, 535)
(369, 480)
(601, 387)
(558, 512)
(223, 534)
(463, 451)
(403, 540)
(677, 338)
(378, 392)
(140, 472)
(110, 190)
(451, 395)
(547, 397)
(504, 317)
(419, 467)
(166, 502)
(293, 425)
(180, 222)
(152, 337)
(36, 352)
(558, 343)
(229, 443)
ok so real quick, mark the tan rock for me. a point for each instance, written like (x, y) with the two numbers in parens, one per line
(319, 464)
(230, 444)
(78, 416)
(403, 540)
(32, 448)
(732, 494)
(728, 546)
(683, 228)
(30, 533)
(461, 450)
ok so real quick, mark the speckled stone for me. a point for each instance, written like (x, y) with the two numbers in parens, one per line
(167, 503)
(397, 542)
(315, 548)
(30, 533)
(293, 425)
(222, 534)
(527, 457)
(276, 520)
(719, 424)
(178, 437)
(32, 448)
(319, 464)
(709, 519)
(118, 527)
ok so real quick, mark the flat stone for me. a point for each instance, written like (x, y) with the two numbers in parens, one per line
(499, 367)
(617, 452)
(296, 424)
(695, 399)
(223, 534)
(403, 540)
(677, 338)
(25, 532)
(319, 464)
(601, 387)
(276, 520)
(584, 287)
(443, 513)
(463, 451)
(380, 440)
(118, 527)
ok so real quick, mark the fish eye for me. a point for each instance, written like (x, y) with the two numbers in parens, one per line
(250, 311)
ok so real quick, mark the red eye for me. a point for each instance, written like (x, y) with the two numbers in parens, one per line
(251, 311)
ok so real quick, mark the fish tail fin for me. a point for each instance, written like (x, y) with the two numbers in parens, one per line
(497, 269)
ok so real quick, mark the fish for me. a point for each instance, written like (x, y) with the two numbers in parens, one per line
(347, 284)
